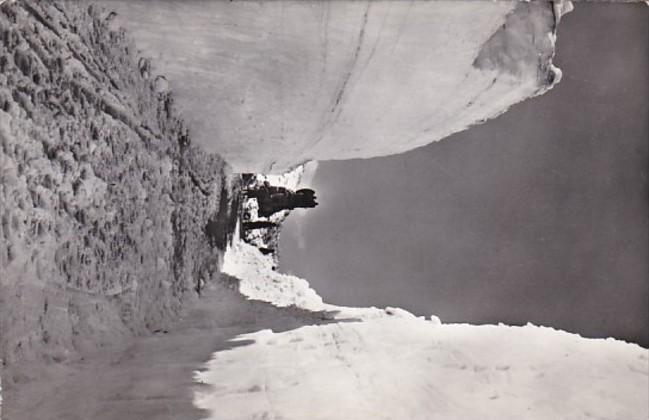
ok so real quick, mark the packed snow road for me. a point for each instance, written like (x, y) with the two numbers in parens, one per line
(148, 377)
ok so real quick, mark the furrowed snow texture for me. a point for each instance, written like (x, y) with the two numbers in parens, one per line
(108, 218)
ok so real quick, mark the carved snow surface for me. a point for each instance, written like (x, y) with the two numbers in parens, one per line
(110, 218)
(270, 85)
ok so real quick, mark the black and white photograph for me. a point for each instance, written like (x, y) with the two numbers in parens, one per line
(324, 210)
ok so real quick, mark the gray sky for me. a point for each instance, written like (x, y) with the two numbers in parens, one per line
(540, 215)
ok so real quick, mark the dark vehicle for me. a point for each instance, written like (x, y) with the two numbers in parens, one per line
(272, 199)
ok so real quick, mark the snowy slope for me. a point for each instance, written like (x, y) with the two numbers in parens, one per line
(408, 368)
(258, 281)
(270, 85)
(389, 364)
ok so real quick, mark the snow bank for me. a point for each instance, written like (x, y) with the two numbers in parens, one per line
(259, 281)
(408, 368)
(390, 364)
(271, 85)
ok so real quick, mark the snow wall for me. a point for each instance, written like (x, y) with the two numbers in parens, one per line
(270, 85)
(109, 217)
